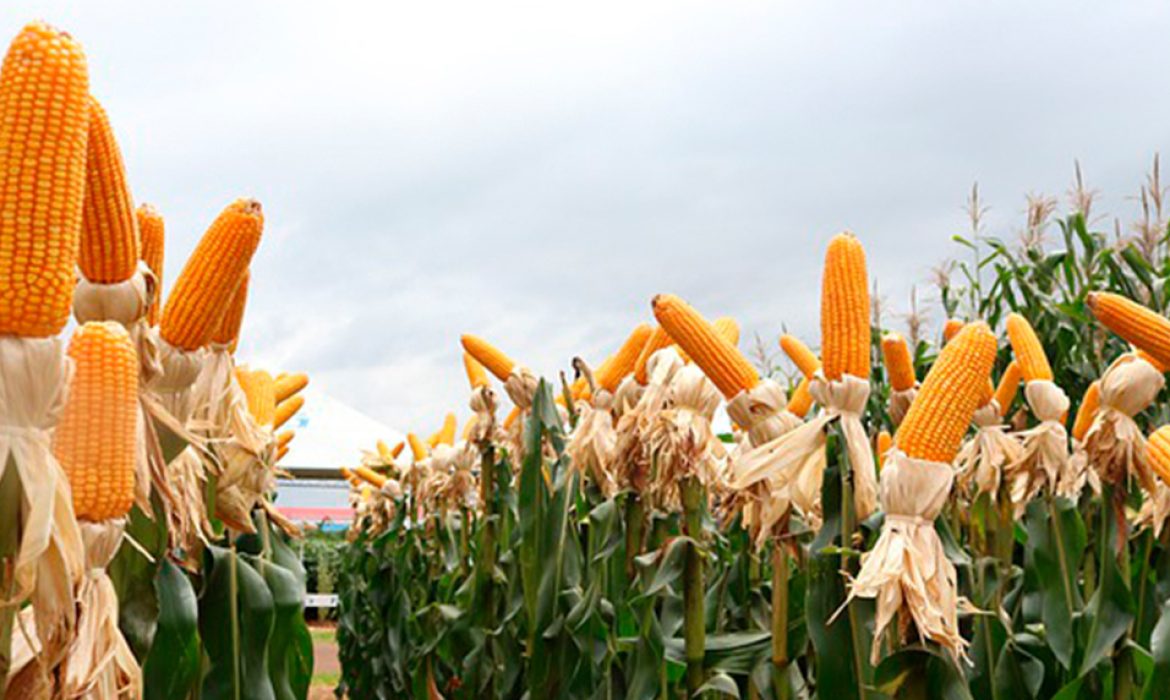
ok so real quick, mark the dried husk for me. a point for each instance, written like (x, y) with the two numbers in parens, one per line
(452, 484)
(796, 460)
(125, 302)
(50, 559)
(627, 395)
(907, 571)
(632, 451)
(1045, 457)
(762, 411)
(593, 445)
(1078, 474)
(1155, 510)
(983, 457)
(1114, 444)
(899, 402)
(681, 440)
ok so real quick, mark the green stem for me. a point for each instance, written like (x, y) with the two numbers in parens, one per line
(848, 564)
(780, 659)
(635, 532)
(234, 590)
(10, 535)
(1061, 556)
(694, 620)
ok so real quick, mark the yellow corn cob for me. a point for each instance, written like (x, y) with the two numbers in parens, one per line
(1143, 328)
(261, 394)
(433, 440)
(845, 310)
(397, 449)
(884, 442)
(288, 385)
(800, 354)
(899, 364)
(726, 327)
(285, 437)
(350, 477)
(1090, 402)
(417, 449)
(658, 340)
(1154, 362)
(489, 356)
(937, 420)
(44, 115)
(801, 400)
(211, 276)
(951, 328)
(97, 438)
(720, 361)
(287, 409)
(152, 239)
(370, 476)
(987, 394)
(476, 374)
(228, 332)
(109, 236)
(510, 420)
(281, 452)
(1009, 385)
(1158, 452)
(611, 372)
(1028, 350)
(448, 431)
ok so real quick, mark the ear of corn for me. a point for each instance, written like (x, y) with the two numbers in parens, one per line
(720, 361)
(489, 356)
(801, 355)
(476, 374)
(44, 115)
(951, 328)
(899, 364)
(417, 449)
(287, 409)
(726, 327)
(801, 400)
(109, 229)
(1154, 362)
(228, 332)
(448, 431)
(201, 294)
(884, 442)
(1158, 453)
(614, 370)
(1028, 350)
(397, 449)
(287, 385)
(511, 418)
(1009, 386)
(152, 239)
(934, 426)
(285, 437)
(845, 310)
(370, 476)
(1090, 402)
(1141, 327)
(96, 440)
(260, 391)
(658, 340)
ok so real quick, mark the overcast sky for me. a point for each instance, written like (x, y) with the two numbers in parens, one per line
(535, 173)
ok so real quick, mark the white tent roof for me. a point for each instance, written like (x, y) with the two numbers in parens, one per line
(331, 434)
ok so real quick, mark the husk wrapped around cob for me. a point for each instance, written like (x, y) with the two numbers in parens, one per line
(519, 383)
(982, 459)
(900, 371)
(907, 571)
(1044, 461)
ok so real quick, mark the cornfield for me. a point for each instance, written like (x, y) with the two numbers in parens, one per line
(975, 515)
(140, 554)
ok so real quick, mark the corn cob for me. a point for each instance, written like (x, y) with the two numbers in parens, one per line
(1028, 350)
(284, 437)
(96, 440)
(447, 432)
(899, 364)
(1158, 453)
(1009, 385)
(1090, 402)
(1143, 328)
(845, 310)
(259, 389)
(417, 449)
(937, 420)
(287, 409)
(801, 400)
(287, 385)
(1154, 362)
(951, 328)
(280, 453)
(801, 355)
(228, 332)
(350, 477)
(152, 237)
(433, 440)
(109, 235)
(611, 372)
(726, 327)
(44, 114)
(201, 294)
(720, 361)
(658, 340)
(511, 418)
(370, 476)
(884, 442)
(397, 449)
(476, 374)
(489, 356)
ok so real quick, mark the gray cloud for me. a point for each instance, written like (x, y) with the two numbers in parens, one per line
(535, 174)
